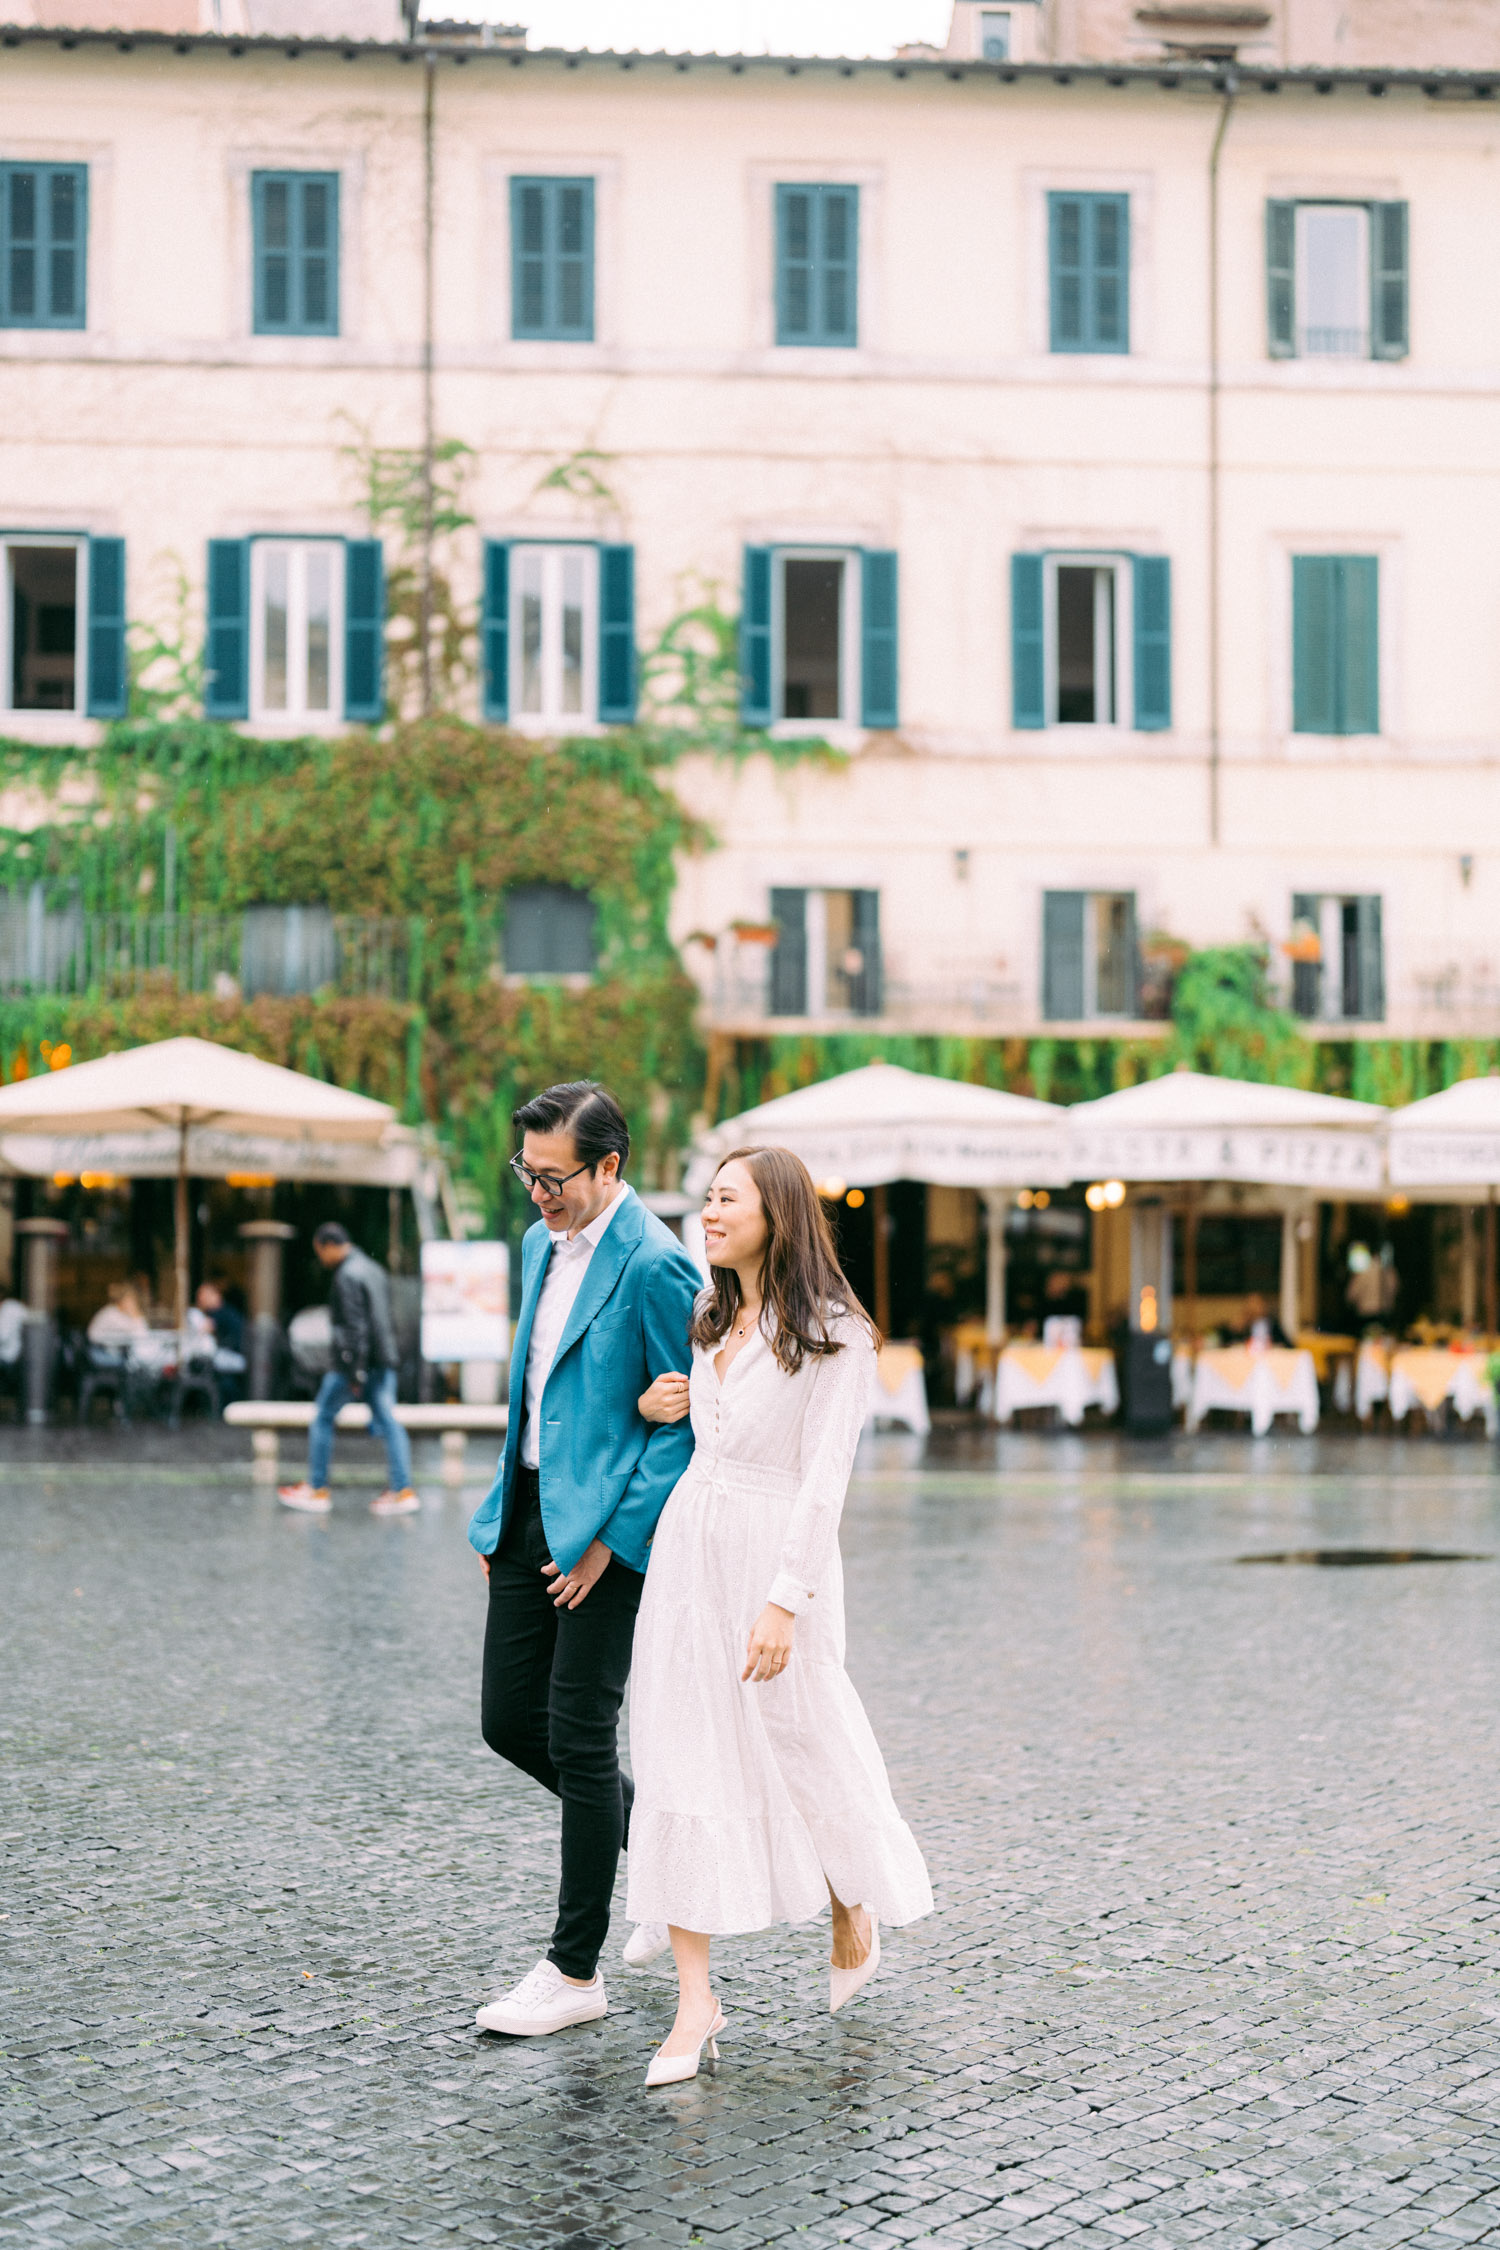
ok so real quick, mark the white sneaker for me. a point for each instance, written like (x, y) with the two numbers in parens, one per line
(647, 1942)
(312, 1499)
(544, 2001)
(390, 1503)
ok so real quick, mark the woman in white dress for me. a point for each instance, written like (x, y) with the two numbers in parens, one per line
(759, 1788)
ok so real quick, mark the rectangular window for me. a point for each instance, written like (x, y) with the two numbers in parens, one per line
(813, 637)
(554, 636)
(826, 959)
(287, 949)
(994, 34)
(296, 227)
(1336, 280)
(549, 931)
(43, 245)
(1335, 644)
(552, 260)
(1090, 955)
(297, 631)
(1089, 262)
(817, 265)
(1338, 958)
(42, 606)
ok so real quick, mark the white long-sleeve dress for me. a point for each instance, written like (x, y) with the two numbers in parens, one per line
(746, 1794)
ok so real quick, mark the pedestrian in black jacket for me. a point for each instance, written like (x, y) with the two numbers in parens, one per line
(365, 1360)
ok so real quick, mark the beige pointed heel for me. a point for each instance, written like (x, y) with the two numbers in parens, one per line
(674, 2070)
(843, 1984)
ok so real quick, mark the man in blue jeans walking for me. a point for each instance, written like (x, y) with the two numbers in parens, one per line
(364, 1359)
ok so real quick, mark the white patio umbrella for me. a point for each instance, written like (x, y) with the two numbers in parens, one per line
(1451, 1139)
(185, 1084)
(1189, 1125)
(868, 1127)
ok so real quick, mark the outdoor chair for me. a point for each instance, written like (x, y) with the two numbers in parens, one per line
(105, 1368)
(195, 1378)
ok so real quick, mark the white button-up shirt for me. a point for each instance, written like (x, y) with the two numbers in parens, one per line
(566, 1268)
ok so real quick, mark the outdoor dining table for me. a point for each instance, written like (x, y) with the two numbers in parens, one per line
(899, 1393)
(1437, 1378)
(1259, 1380)
(1070, 1377)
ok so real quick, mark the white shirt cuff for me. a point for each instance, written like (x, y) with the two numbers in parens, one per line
(787, 1594)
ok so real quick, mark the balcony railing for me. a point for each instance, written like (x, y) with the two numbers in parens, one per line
(738, 995)
(63, 950)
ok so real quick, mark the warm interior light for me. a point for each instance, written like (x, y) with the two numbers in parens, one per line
(250, 1179)
(1096, 1195)
(65, 1179)
(1025, 1199)
(100, 1180)
(855, 1199)
(1040, 1200)
(1398, 1205)
(1148, 1312)
(1114, 1193)
(832, 1191)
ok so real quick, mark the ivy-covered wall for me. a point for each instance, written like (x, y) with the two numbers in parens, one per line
(426, 822)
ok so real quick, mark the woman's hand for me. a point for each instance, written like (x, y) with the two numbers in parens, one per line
(666, 1401)
(770, 1649)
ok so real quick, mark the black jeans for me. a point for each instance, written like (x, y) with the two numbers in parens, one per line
(554, 1680)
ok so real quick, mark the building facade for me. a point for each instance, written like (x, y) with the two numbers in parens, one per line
(1092, 428)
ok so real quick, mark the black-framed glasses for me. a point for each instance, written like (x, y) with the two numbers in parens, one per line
(548, 1182)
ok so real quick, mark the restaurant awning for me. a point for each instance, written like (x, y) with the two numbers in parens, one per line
(1190, 1126)
(881, 1123)
(1451, 1139)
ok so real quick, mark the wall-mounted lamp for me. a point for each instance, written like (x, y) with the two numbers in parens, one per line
(1466, 868)
(961, 865)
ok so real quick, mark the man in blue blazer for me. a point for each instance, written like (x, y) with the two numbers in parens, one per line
(606, 1297)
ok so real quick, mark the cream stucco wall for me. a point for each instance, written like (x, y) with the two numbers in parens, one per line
(951, 434)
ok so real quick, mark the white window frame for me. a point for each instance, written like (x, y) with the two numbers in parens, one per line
(999, 20)
(295, 713)
(1305, 208)
(1123, 720)
(10, 541)
(1092, 1011)
(789, 730)
(549, 720)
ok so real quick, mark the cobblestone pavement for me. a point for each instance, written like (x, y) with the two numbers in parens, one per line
(1215, 1961)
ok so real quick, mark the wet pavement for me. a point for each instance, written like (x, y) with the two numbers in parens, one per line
(1217, 1950)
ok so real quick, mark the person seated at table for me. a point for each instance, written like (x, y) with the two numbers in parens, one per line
(213, 1319)
(1064, 1297)
(119, 1321)
(1260, 1325)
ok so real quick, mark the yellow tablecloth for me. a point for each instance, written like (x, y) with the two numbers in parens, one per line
(1260, 1382)
(1064, 1376)
(896, 1365)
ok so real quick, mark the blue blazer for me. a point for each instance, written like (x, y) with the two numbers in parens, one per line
(605, 1472)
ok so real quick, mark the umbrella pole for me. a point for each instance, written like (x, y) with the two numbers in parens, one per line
(882, 1265)
(181, 1228)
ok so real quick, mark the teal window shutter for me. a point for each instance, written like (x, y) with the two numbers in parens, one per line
(109, 675)
(1152, 604)
(1335, 644)
(755, 639)
(43, 245)
(789, 954)
(364, 631)
(866, 986)
(552, 260)
(494, 630)
(1369, 960)
(1063, 914)
(817, 265)
(1088, 249)
(617, 636)
(226, 684)
(1359, 582)
(1389, 293)
(879, 635)
(1028, 667)
(1281, 280)
(295, 221)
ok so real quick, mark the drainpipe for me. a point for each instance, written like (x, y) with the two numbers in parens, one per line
(429, 99)
(1229, 86)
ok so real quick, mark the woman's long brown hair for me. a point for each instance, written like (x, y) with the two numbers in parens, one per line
(801, 1281)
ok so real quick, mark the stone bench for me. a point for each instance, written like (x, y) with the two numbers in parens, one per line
(266, 1418)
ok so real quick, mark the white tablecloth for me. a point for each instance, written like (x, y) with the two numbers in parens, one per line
(1419, 1378)
(899, 1391)
(1072, 1380)
(1372, 1380)
(1261, 1382)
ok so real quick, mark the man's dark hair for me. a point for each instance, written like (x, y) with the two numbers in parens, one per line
(587, 1111)
(330, 1236)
